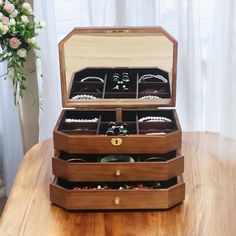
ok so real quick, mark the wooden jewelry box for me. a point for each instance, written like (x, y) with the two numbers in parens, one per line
(117, 144)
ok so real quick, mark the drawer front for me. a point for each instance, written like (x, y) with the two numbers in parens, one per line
(117, 144)
(117, 199)
(118, 171)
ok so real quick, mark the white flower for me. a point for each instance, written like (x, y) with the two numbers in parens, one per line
(22, 52)
(25, 19)
(14, 14)
(12, 22)
(1, 2)
(1, 15)
(26, 6)
(5, 29)
(40, 25)
(32, 41)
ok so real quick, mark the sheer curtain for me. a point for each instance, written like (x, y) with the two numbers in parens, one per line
(205, 30)
(11, 144)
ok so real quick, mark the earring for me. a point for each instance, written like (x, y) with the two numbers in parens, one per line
(125, 77)
(124, 88)
(115, 77)
(116, 88)
(123, 129)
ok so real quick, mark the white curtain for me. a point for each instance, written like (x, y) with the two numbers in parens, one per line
(205, 30)
(11, 144)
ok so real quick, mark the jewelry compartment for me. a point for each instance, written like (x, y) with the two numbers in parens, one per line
(85, 167)
(117, 131)
(119, 195)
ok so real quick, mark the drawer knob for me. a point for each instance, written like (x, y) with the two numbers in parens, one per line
(117, 173)
(117, 201)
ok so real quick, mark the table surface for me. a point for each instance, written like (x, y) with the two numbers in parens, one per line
(208, 210)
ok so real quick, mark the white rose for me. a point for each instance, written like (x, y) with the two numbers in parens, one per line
(32, 41)
(40, 25)
(28, 8)
(14, 14)
(12, 22)
(5, 29)
(1, 15)
(22, 52)
(25, 19)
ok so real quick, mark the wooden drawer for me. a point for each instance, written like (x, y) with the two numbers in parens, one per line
(118, 171)
(94, 140)
(117, 199)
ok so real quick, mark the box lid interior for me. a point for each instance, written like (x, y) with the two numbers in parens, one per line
(104, 52)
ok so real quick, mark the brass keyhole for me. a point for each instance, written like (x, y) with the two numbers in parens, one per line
(116, 141)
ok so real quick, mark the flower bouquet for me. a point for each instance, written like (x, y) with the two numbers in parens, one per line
(18, 32)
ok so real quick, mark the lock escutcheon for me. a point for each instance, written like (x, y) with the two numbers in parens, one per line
(116, 141)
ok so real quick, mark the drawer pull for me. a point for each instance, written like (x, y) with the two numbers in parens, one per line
(117, 173)
(117, 201)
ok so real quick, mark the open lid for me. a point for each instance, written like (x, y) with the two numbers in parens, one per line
(92, 59)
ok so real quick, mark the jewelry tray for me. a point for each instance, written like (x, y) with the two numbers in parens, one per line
(118, 126)
(91, 137)
(105, 87)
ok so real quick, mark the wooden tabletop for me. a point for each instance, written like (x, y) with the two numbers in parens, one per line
(208, 210)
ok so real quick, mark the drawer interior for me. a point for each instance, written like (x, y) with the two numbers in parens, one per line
(127, 122)
(101, 158)
(122, 186)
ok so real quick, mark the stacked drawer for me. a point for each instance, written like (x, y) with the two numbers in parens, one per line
(84, 180)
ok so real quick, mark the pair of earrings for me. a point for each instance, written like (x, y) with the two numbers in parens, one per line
(114, 129)
(120, 81)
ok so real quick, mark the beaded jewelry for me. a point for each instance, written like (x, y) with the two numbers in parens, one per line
(151, 97)
(150, 76)
(84, 96)
(154, 119)
(94, 120)
(92, 78)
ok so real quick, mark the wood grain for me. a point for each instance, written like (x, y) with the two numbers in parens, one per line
(81, 172)
(208, 210)
(128, 199)
(130, 143)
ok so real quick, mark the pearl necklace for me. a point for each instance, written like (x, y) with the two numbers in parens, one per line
(94, 120)
(84, 96)
(158, 133)
(150, 76)
(150, 97)
(92, 78)
(154, 119)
